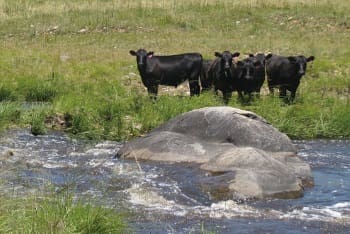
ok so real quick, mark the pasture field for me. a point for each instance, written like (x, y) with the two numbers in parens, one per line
(67, 62)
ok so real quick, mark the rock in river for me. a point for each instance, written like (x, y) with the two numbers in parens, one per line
(246, 156)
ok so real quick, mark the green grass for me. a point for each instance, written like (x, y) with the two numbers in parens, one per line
(73, 55)
(71, 59)
(57, 213)
(10, 114)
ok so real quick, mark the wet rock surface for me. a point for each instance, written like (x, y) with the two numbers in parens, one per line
(245, 156)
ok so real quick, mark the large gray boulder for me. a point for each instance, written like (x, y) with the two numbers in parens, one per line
(245, 155)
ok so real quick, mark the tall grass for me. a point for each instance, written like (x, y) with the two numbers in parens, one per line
(74, 55)
(57, 213)
(6, 94)
(10, 114)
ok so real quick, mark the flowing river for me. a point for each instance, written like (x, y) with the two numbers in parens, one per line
(166, 198)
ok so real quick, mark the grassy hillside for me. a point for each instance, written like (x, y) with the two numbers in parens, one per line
(68, 61)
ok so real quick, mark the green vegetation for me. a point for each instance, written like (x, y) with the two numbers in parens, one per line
(58, 213)
(68, 62)
(70, 58)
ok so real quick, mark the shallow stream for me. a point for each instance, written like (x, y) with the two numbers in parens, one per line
(166, 198)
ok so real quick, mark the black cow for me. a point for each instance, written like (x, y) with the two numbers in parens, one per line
(221, 73)
(169, 70)
(285, 73)
(206, 83)
(250, 75)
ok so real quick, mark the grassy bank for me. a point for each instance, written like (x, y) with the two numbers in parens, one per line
(67, 62)
(57, 213)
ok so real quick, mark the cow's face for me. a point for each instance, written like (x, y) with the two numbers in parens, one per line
(141, 56)
(300, 63)
(261, 58)
(248, 67)
(226, 59)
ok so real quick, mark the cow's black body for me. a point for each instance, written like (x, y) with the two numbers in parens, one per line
(285, 73)
(221, 74)
(169, 70)
(250, 75)
(206, 81)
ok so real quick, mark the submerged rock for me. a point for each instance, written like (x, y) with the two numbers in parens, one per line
(247, 157)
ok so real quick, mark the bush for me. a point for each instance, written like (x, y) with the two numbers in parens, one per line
(37, 123)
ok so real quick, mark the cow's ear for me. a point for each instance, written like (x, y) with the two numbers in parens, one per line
(311, 58)
(132, 52)
(217, 54)
(150, 54)
(268, 56)
(292, 59)
(236, 54)
(234, 59)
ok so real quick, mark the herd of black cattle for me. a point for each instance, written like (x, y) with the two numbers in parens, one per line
(224, 73)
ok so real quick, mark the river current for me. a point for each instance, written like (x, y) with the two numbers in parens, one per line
(166, 198)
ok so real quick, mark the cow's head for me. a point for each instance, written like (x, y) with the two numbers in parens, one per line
(226, 59)
(248, 67)
(300, 63)
(141, 56)
(261, 58)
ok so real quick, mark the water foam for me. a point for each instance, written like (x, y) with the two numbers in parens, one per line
(334, 213)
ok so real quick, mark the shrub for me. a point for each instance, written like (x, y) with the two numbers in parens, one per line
(37, 123)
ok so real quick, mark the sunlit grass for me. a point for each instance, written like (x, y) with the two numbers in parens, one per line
(57, 213)
(74, 55)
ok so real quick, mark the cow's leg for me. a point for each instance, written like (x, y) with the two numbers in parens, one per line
(250, 96)
(226, 96)
(205, 83)
(194, 87)
(270, 86)
(270, 83)
(292, 95)
(240, 95)
(257, 94)
(216, 92)
(152, 91)
(283, 92)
